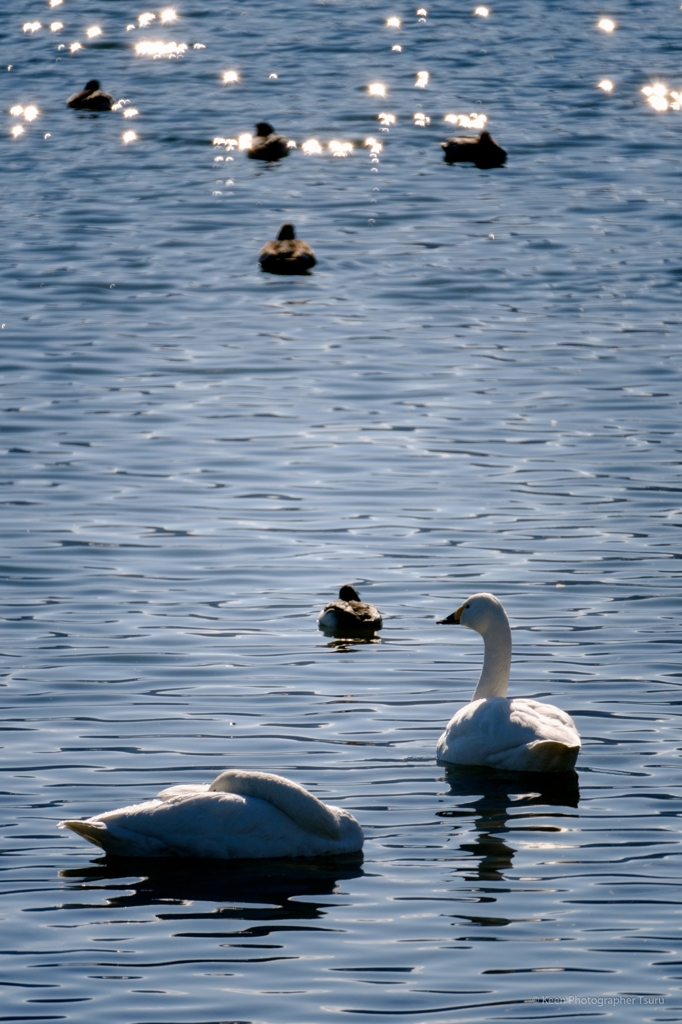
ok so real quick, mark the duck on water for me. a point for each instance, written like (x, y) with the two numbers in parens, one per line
(483, 151)
(511, 733)
(267, 145)
(91, 98)
(287, 255)
(349, 617)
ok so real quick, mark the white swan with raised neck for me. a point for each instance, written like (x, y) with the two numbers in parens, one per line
(496, 731)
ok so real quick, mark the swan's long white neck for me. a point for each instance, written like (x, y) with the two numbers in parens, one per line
(497, 643)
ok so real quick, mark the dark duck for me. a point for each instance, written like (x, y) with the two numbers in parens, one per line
(483, 151)
(91, 98)
(287, 255)
(349, 616)
(267, 145)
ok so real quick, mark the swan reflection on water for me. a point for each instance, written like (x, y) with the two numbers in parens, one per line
(497, 799)
(133, 882)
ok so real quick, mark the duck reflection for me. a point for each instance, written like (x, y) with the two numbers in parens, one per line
(350, 645)
(272, 882)
(500, 796)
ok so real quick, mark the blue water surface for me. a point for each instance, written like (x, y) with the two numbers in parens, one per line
(478, 388)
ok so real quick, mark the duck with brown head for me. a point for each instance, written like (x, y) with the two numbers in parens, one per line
(287, 255)
(91, 98)
(349, 617)
(483, 151)
(267, 145)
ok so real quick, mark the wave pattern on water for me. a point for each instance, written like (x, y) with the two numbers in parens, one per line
(477, 389)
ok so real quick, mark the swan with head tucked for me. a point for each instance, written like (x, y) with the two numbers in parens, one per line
(497, 731)
(239, 815)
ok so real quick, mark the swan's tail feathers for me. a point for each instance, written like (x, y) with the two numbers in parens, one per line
(297, 803)
(94, 832)
(553, 756)
(118, 840)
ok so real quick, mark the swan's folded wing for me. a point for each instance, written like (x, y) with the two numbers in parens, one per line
(538, 756)
(304, 809)
(183, 790)
(516, 734)
(546, 721)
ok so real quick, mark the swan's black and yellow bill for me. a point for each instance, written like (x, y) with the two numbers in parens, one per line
(452, 620)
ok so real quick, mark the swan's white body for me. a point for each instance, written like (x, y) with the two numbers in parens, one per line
(497, 731)
(239, 815)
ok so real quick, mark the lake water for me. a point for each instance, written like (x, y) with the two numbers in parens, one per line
(478, 388)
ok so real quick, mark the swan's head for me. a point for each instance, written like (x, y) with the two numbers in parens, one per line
(286, 234)
(480, 612)
(92, 85)
(348, 593)
(263, 129)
